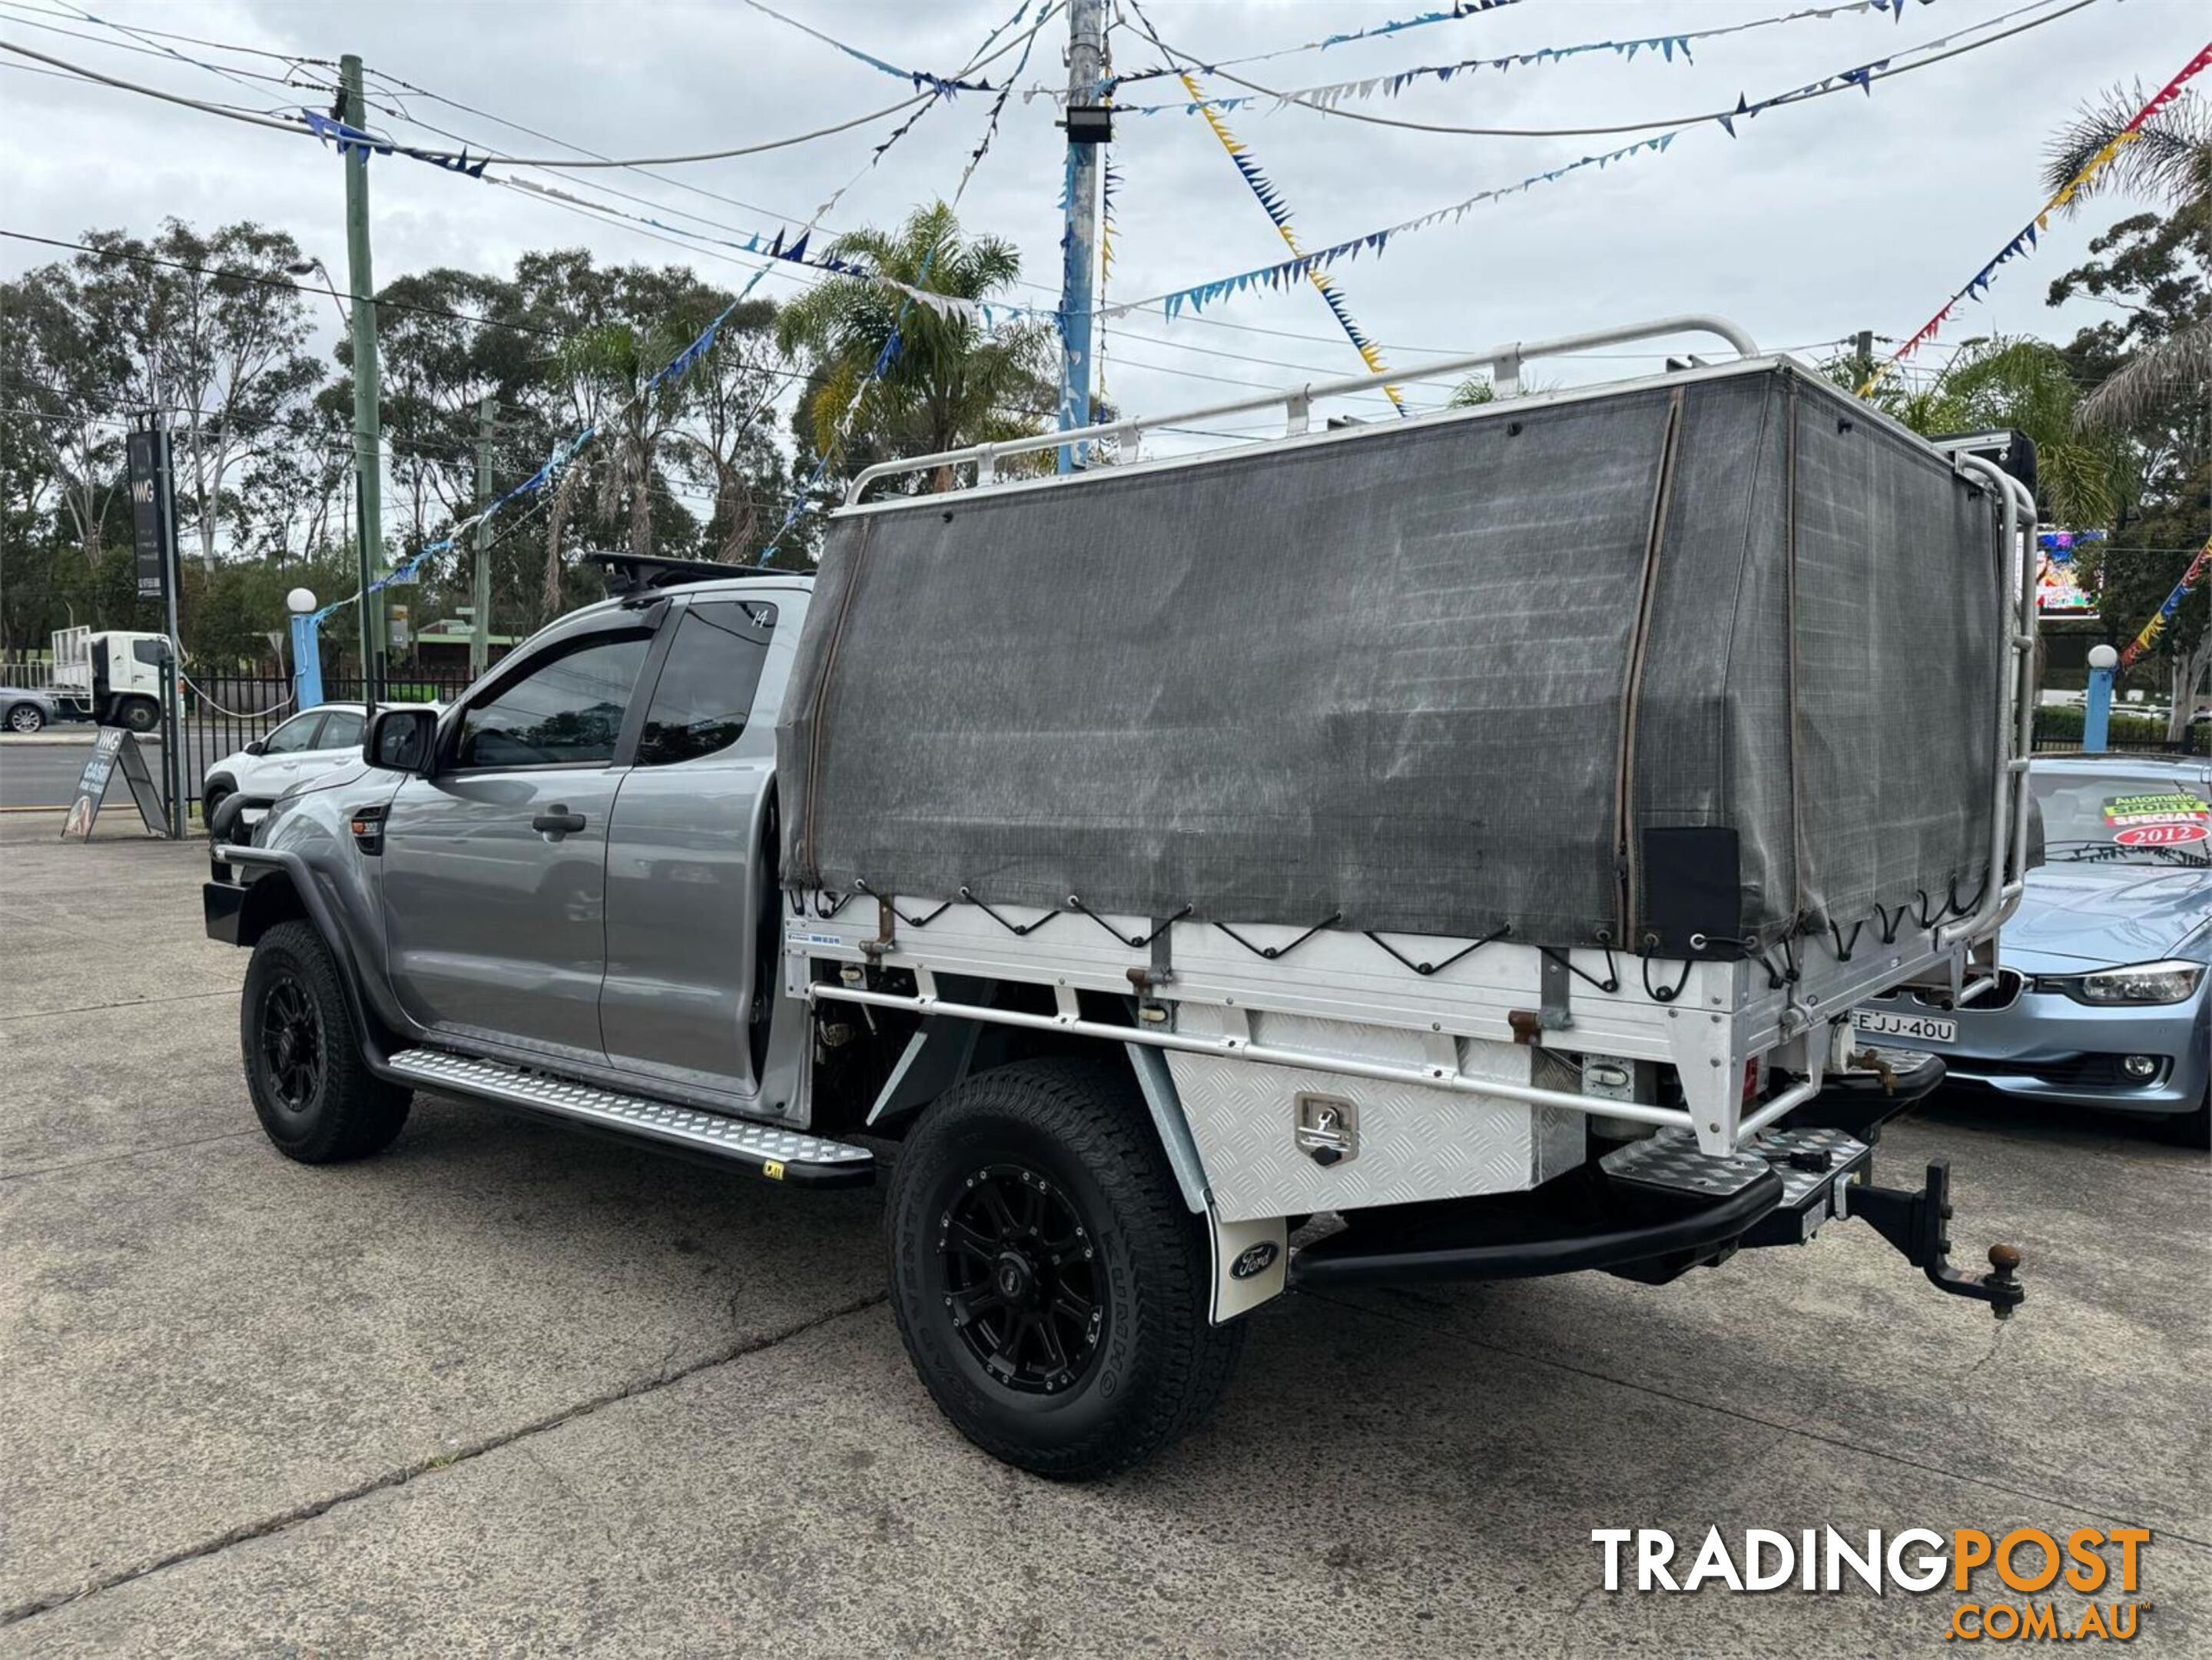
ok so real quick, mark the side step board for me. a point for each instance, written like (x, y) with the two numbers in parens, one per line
(781, 1155)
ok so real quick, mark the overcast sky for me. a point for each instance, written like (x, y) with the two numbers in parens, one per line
(1847, 212)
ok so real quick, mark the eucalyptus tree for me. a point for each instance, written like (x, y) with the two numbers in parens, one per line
(210, 332)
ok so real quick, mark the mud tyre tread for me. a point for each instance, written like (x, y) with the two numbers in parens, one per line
(1161, 1366)
(350, 1113)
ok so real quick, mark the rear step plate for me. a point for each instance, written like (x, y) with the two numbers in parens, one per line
(1813, 1165)
(781, 1155)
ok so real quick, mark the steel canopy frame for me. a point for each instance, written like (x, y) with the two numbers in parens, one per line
(1503, 360)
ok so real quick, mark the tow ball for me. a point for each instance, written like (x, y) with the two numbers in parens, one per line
(1914, 1223)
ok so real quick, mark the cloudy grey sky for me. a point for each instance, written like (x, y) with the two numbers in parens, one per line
(1847, 212)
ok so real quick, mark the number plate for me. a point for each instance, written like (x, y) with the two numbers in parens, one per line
(1927, 1027)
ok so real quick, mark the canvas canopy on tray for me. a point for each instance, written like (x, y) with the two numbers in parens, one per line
(1717, 655)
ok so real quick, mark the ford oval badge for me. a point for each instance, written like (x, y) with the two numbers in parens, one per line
(1254, 1259)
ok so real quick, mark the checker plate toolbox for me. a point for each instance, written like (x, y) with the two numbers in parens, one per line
(1426, 859)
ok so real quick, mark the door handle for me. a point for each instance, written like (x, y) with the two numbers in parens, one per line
(559, 822)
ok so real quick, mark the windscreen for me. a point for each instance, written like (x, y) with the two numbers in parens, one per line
(2123, 816)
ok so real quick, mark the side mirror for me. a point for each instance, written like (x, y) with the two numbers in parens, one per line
(402, 740)
(258, 746)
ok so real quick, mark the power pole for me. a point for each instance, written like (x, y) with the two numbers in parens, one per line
(1089, 124)
(480, 592)
(368, 446)
(1863, 358)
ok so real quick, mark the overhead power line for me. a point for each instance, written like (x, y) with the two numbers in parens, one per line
(30, 19)
(295, 125)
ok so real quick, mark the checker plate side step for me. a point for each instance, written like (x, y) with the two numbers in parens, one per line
(1809, 1161)
(782, 1155)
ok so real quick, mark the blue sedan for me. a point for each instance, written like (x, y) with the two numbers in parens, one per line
(2105, 995)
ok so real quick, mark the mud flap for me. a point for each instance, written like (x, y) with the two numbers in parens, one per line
(1250, 1261)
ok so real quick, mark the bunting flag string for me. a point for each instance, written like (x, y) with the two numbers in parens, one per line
(1460, 8)
(2168, 609)
(891, 346)
(2024, 242)
(1863, 76)
(349, 139)
(1202, 295)
(1265, 191)
(1666, 48)
(922, 81)
(1110, 186)
(565, 451)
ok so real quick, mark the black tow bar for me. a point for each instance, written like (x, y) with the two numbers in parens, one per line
(1913, 1223)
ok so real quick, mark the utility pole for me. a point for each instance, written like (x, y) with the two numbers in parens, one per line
(1863, 358)
(480, 592)
(1089, 124)
(368, 446)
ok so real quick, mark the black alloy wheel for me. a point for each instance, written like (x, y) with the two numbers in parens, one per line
(1023, 1287)
(1052, 1285)
(292, 1044)
(315, 1089)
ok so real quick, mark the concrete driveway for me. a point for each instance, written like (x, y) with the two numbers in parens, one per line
(505, 1388)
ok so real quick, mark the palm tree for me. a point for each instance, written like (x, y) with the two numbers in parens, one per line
(949, 382)
(2027, 386)
(2169, 160)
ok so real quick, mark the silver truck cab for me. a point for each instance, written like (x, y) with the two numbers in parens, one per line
(563, 883)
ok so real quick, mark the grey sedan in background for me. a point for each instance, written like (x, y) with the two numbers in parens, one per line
(2104, 997)
(26, 709)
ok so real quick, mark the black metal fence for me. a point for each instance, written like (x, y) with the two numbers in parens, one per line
(2062, 735)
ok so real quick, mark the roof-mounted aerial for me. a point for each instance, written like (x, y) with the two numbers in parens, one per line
(629, 573)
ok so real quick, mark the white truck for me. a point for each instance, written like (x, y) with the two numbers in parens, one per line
(112, 676)
(1445, 849)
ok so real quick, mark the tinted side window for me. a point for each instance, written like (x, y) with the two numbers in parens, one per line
(146, 651)
(340, 731)
(707, 683)
(566, 709)
(296, 734)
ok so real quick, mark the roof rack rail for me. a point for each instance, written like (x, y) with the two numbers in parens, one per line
(629, 573)
(1503, 360)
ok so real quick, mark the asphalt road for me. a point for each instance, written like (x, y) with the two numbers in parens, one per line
(505, 1388)
(42, 771)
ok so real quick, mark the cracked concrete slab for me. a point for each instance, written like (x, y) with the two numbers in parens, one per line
(1355, 1497)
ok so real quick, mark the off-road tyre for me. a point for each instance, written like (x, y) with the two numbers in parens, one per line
(316, 1097)
(1067, 1139)
(216, 794)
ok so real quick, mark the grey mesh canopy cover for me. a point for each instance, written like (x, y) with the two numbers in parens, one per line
(1450, 677)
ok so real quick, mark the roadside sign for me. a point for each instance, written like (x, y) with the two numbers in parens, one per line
(114, 750)
(153, 521)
